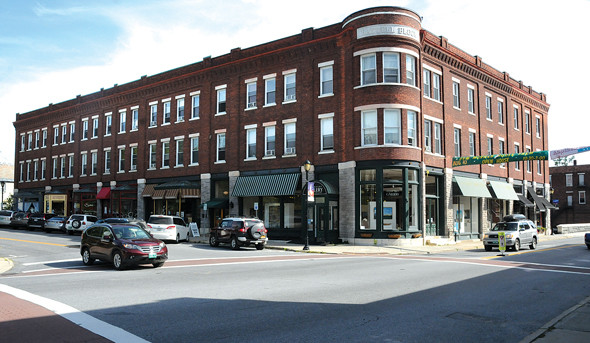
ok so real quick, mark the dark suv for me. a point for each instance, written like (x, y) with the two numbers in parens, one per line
(239, 232)
(121, 244)
(37, 220)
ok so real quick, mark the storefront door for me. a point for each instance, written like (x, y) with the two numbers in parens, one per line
(431, 217)
(322, 220)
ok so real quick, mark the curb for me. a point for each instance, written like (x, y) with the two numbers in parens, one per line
(6, 264)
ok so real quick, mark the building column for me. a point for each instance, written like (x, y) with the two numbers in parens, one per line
(347, 199)
(422, 221)
(547, 196)
(140, 203)
(205, 196)
(98, 201)
(483, 210)
(234, 206)
(448, 202)
(510, 208)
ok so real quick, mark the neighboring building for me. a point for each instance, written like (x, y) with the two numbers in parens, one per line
(378, 104)
(570, 187)
(6, 181)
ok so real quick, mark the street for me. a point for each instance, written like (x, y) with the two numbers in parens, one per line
(209, 294)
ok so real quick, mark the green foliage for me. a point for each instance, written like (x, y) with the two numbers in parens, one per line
(564, 161)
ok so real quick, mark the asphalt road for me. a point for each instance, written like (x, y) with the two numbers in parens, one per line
(205, 294)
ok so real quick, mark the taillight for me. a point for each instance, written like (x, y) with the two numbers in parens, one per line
(265, 230)
(83, 223)
(149, 226)
(243, 229)
(171, 227)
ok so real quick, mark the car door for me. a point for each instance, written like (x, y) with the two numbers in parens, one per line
(225, 231)
(525, 233)
(181, 227)
(105, 244)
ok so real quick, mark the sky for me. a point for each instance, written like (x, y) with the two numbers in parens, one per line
(53, 50)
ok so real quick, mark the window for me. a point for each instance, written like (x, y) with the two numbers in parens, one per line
(43, 168)
(22, 142)
(251, 95)
(326, 80)
(29, 170)
(490, 146)
(84, 164)
(570, 201)
(36, 169)
(412, 128)
(221, 147)
(392, 126)
(470, 100)
(438, 138)
(107, 161)
(456, 100)
(55, 137)
(501, 151)
(251, 143)
(134, 119)
(426, 81)
(108, 124)
(500, 112)
(84, 129)
(133, 166)
(436, 87)
(472, 151)
(427, 135)
(517, 151)
(195, 112)
(410, 70)
(121, 160)
(581, 180)
(290, 87)
(153, 115)
(457, 142)
(194, 150)
(165, 154)
(269, 141)
(539, 166)
(582, 197)
(327, 126)
(152, 156)
(390, 68)
(221, 101)
(122, 121)
(54, 175)
(179, 152)
(529, 163)
(36, 139)
(270, 91)
(369, 128)
(569, 180)
(22, 164)
(94, 163)
(64, 135)
(166, 116)
(44, 141)
(368, 69)
(179, 110)
(30, 141)
(538, 126)
(527, 122)
(515, 118)
(290, 135)
(488, 107)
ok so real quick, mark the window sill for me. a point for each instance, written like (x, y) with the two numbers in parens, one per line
(219, 162)
(179, 121)
(269, 157)
(270, 105)
(220, 114)
(250, 159)
(196, 118)
(193, 165)
(289, 101)
(325, 95)
(289, 156)
(179, 166)
(121, 132)
(323, 152)
(251, 108)
(165, 124)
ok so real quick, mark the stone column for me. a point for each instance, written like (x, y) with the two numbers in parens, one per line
(233, 177)
(98, 201)
(483, 210)
(205, 196)
(346, 200)
(510, 208)
(548, 212)
(448, 201)
(140, 203)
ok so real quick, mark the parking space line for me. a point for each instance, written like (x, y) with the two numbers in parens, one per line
(26, 241)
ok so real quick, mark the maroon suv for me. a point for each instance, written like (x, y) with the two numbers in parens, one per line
(240, 232)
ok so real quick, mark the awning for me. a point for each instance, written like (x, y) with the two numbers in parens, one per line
(170, 194)
(503, 190)
(266, 185)
(216, 203)
(104, 193)
(159, 194)
(471, 187)
(525, 201)
(536, 199)
(190, 193)
(23, 195)
(148, 190)
(547, 204)
(178, 184)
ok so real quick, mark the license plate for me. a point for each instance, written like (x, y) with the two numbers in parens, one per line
(494, 242)
(152, 255)
(263, 236)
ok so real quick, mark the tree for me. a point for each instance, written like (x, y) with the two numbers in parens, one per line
(8, 202)
(564, 161)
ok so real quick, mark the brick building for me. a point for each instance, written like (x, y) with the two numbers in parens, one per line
(376, 103)
(569, 187)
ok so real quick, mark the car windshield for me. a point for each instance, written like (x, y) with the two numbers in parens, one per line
(160, 220)
(5, 213)
(130, 232)
(505, 227)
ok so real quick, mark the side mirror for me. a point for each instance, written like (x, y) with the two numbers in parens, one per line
(107, 238)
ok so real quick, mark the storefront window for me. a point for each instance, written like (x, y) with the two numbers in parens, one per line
(272, 212)
(392, 207)
(368, 204)
(292, 212)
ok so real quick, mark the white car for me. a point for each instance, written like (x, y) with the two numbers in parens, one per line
(5, 216)
(168, 228)
(79, 223)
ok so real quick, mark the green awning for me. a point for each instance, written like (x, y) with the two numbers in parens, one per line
(266, 185)
(216, 203)
(503, 190)
(471, 187)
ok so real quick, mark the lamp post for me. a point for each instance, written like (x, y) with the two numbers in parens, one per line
(3, 183)
(307, 167)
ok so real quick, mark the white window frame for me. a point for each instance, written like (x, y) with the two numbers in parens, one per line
(134, 119)
(195, 105)
(500, 111)
(327, 79)
(221, 138)
(327, 129)
(426, 81)
(438, 138)
(132, 157)
(436, 86)
(367, 131)
(251, 143)
(538, 126)
(270, 87)
(517, 151)
(392, 125)
(44, 138)
(456, 94)
(412, 118)
(470, 99)
(107, 160)
(121, 159)
(287, 76)
(251, 93)
(194, 148)
(489, 107)
(153, 114)
(516, 118)
(108, 124)
(221, 96)
(166, 111)
(472, 147)
(288, 127)
(85, 126)
(93, 162)
(270, 131)
(165, 153)
(179, 151)
(152, 156)
(457, 141)
(428, 135)
(569, 180)
(83, 163)
(582, 197)
(72, 132)
(365, 70)
(180, 109)
(410, 70)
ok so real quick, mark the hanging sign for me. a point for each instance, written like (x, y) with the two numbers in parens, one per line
(504, 158)
(310, 191)
(555, 154)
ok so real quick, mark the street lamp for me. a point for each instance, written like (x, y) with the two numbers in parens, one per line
(3, 183)
(307, 167)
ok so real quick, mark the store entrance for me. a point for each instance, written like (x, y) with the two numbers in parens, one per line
(322, 215)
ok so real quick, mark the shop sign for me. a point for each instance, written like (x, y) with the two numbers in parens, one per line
(503, 158)
(388, 30)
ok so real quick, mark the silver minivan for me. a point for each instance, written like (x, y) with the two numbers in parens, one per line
(168, 228)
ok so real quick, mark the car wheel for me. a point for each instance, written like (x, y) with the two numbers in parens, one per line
(86, 259)
(488, 247)
(177, 240)
(213, 241)
(187, 236)
(118, 260)
(588, 245)
(533, 243)
(516, 246)
(259, 246)
(158, 264)
(234, 243)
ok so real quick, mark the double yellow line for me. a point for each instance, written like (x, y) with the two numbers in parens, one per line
(22, 240)
(530, 251)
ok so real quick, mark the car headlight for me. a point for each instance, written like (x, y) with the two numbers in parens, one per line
(162, 245)
(509, 235)
(486, 236)
(131, 246)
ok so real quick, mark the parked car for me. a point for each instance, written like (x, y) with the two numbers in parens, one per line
(169, 228)
(518, 231)
(587, 240)
(5, 216)
(122, 244)
(240, 232)
(19, 219)
(37, 220)
(113, 220)
(79, 222)
(56, 223)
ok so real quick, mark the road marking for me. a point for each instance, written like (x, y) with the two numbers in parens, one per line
(26, 241)
(49, 262)
(530, 251)
(104, 329)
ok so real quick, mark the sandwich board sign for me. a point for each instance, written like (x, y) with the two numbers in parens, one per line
(502, 241)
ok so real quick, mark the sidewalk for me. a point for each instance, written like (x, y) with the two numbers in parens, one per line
(572, 325)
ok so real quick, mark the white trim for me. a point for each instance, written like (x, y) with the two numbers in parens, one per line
(136, 107)
(290, 71)
(270, 123)
(432, 69)
(489, 135)
(455, 79)
(252, 80)
(269, 76)
(220, 131)
(472, 130)
(195, 93)
(122, 110)
(419, 20)
(251, 126)
(438, 120)
(193, 135)
(488, 94)
(326, 115)
(164, 140)
(289, 121)
(121, 146)
(471, 87)
(182, 96)
(385, 49)
(220, 87)
(166, 100)
(325, 64)
(177, 138)
(387, 106)
(457, 126)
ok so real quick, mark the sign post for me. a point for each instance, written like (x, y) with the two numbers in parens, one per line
(502, 242)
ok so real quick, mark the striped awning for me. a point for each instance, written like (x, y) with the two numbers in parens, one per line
(266, 185)
(190, 193)
(148, 190)
(159, 194)
(170, 193)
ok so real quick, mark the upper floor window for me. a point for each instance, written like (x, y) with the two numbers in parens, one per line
(194, 150)
(457, 141)
(490, 146)
(30, 141)
(412, 125)
(426, 81)
(134, 119)
(44, 139)
(569, 180)
(64, 134)
(326, 80)
(290, 87)
(83, 166)
(427, 135)
(517, 151)
(133, 165)
(221, 92)
(122, 121)
(582, 197)
(84, 129)
(472, 151)
(36, 139)
(121, 160)
(179, 152)
(527, 122)
(269, 141)
(538, 126)
(368, 69)
(438, 138)
(94, 163)
(196, 110)
(391, 126)
(327, 127)
(515, 118)
(221, 147)
(390, 67)
(581, 179)
(108, 124)
(166, 115)
(290, 138)
(251, 143)
(456, 97)
(94, 127)
(179, 110)
(488, 107)
(501, 151)
(470, 100)
(411, 70)
(152, 156)
(55, 136)
(369, 128)
(251, 95)
(436, 86)
(165, 154)
(270, 91)
(500, 112)
(529, 163)
(72, 132)
(107, 161)
(153, 115)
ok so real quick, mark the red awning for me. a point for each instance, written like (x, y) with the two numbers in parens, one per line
(105, 193)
